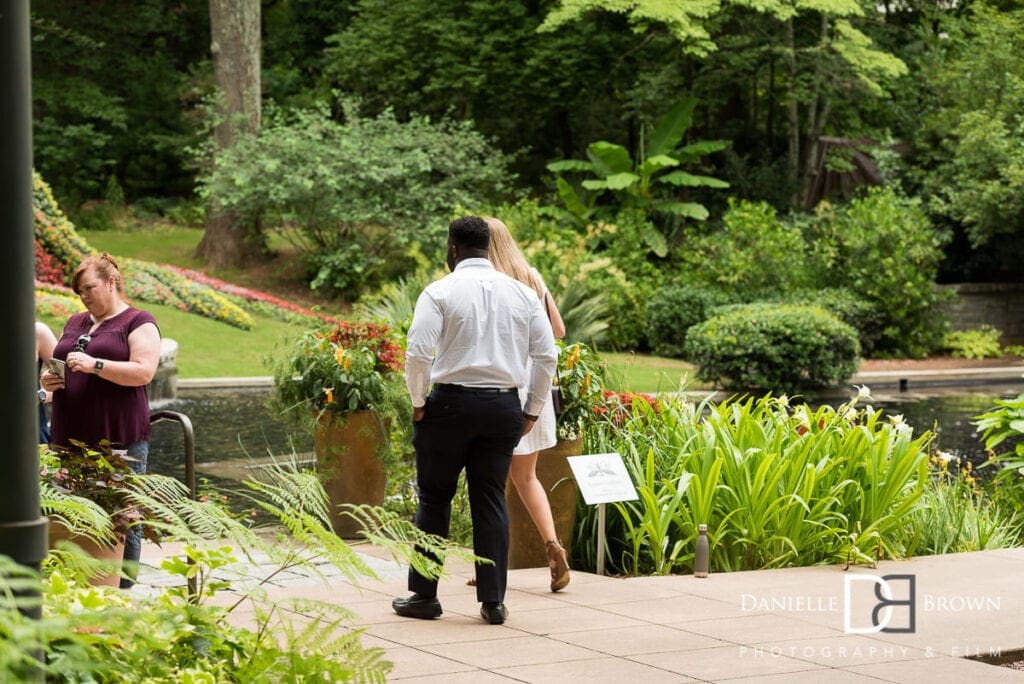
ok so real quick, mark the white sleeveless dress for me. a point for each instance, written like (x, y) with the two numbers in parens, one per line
(544, 432)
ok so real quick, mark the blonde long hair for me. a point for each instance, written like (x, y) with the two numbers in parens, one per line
(506, 256)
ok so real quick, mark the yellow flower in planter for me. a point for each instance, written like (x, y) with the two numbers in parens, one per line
(579, 379)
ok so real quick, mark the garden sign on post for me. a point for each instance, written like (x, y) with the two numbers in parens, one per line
(602, 479)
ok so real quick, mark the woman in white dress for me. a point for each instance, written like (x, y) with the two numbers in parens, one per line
(507, 258)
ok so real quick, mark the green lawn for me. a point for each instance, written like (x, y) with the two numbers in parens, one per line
(645, 373)
(160, 244)
(208, 348)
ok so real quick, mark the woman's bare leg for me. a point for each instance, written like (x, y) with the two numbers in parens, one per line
(535, 499)
(531, 491)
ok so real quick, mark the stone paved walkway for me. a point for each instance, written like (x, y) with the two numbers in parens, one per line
(784, 625)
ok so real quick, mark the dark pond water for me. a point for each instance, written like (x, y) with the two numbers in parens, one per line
(950, 417)
(232, 426)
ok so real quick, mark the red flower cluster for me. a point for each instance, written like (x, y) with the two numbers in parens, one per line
(373, 336)
(802, 429)
(48, 269)
(619, 406)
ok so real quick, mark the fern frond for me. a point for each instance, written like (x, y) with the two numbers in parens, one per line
(407, 543)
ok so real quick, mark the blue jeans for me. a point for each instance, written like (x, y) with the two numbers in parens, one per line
(139, 455)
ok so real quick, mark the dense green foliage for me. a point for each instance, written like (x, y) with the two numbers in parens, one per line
(883, 249)
(982, 343)
(781, 485)
(363, 196)
(109, 80)
(751, 254)
(810, 99)
(968, 150)
(653, 183)
(773, 347)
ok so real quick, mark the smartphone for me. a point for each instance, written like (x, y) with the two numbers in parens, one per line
(56, 366)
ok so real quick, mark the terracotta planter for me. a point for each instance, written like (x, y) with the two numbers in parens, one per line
(347, 448)
(112, 554)
(526, 548)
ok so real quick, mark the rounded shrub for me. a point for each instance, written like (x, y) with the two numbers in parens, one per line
(775, 347)
(673, 310)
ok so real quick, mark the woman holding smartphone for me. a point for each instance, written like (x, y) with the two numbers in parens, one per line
(110, 352)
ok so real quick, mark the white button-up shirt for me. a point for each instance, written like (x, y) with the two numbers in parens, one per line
(477, 327)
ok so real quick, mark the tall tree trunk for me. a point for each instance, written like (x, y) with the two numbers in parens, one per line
(793, 113)
(817, 114)
(235, 46)
(770, 126)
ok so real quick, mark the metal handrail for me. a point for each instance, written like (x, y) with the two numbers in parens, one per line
(190, 445)
(190, 474)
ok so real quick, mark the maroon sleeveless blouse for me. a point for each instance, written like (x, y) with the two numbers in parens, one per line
(90, 409)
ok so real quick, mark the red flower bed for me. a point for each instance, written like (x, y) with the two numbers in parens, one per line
(48, 269)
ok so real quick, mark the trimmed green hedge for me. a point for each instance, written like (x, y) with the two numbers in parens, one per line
(774, 347)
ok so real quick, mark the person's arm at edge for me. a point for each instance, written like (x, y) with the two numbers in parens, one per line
(421, 343)
(545, 355)
(45, 342)
(557, 324)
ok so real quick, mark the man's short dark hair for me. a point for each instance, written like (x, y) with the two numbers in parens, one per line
(471, 232)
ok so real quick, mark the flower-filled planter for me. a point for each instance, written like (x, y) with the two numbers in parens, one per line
(110, 553)
(344, 386)
(348, 459)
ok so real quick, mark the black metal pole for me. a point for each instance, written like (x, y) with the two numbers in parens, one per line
(22, 528)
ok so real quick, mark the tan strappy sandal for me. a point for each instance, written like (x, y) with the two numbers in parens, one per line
(559, 564)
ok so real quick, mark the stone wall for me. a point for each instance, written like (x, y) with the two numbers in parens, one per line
(1000, 305)
(164, 384)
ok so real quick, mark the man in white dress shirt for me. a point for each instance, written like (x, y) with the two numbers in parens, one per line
(471, 335)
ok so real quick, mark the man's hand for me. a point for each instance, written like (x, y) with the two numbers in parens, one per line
(418, 412)
(530, 422)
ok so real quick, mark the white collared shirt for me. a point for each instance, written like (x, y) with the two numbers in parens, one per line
(477, 327)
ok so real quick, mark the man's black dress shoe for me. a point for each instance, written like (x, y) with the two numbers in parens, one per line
(417, 606)
(494, 613)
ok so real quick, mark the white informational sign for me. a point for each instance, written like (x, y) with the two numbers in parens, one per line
(602, 478)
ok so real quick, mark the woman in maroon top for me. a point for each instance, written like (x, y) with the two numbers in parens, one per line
(111, 352)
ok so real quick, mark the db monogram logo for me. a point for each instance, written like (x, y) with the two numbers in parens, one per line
(883, 612)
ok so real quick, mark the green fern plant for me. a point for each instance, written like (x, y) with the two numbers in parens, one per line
(186, 632)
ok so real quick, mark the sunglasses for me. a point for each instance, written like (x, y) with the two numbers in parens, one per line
(82, 341)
